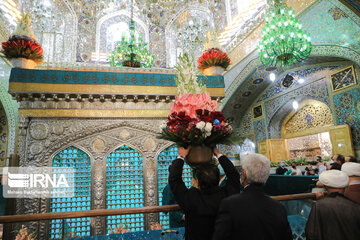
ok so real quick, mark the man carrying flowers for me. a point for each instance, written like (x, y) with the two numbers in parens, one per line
(201, 205)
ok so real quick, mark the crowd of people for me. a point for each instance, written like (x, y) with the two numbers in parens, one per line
(315, 167)
(220, 211)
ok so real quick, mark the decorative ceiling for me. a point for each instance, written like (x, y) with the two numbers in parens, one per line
(253, 88)
(353, 5)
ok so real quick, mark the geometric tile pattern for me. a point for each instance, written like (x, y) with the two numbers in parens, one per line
(124, 187)
(73, 227)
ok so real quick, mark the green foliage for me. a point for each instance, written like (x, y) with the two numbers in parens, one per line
(186, 78)
(299, 162)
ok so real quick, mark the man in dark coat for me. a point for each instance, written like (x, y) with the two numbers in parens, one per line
(176, 218)
(334, 217)
(252, 214)
(201, 205)
(352, 169)
(281, 170)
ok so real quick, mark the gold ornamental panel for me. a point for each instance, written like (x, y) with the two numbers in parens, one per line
(313, 117)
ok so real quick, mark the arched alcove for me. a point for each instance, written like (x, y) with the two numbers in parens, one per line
(286, 113)
(55, 26)
(124, 187)
(187, 33)
(306, 129)
(312, 117)
(110, 27)
(72, 157)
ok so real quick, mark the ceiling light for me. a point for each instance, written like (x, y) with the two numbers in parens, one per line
(301, 80)
(295, 105)
(272, 77)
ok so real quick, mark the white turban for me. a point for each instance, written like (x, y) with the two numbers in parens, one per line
(351, 169)
(334, 179)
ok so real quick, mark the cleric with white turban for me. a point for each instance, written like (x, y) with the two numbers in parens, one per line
(352, 169)
(334, 217)
(334, 179)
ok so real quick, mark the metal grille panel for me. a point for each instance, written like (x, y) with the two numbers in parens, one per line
(124, 187)
(74, 227)
(164, 161)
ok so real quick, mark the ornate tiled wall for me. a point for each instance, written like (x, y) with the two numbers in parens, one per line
(3, 136)
(343, 105)
(317, 90)
(328, 23)
(10, 107)
(347, 110)
(260, 130)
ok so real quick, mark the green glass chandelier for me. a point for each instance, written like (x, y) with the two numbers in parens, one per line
(131, 52)
(284, 42)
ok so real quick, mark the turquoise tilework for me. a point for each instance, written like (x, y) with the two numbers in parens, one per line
(347, 108)
(111, 78)
(260, 130)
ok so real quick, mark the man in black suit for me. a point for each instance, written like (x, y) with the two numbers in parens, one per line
(252, 214)
(201, 205)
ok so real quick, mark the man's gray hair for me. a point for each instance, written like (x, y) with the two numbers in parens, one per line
(257, 168)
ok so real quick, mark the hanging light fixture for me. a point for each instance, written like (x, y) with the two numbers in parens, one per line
(131, 52)
(284, 41)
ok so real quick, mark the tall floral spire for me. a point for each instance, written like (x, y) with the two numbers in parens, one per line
(23, 28)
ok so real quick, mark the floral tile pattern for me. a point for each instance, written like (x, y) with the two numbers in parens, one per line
(347, 110)
(260, 130)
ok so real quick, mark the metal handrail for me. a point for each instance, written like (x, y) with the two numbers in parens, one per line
(123, 211)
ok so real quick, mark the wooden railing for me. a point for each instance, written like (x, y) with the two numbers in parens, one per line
(123, 211)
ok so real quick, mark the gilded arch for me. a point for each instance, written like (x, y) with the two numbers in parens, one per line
(311, 118)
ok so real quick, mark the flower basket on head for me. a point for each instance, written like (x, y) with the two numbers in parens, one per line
(195, 119)
(22, 49)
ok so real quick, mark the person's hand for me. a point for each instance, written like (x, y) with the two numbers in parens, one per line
(319, 195)
(319, 184)
(216, 151)
(183, 152)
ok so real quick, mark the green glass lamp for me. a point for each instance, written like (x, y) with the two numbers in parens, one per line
(284, 41)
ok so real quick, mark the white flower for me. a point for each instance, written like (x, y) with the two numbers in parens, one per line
(162, 125)
(208, 127)
(200, 125)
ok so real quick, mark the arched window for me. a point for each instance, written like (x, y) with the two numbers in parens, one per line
(164, 161)
(124, 187)
(187, 35)
(112, 27)
(73, 227)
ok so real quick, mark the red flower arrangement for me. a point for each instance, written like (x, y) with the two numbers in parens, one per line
(213, 57)
(22, 47)
(194, 119)
(203, 126)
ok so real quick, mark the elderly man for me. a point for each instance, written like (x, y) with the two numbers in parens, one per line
(252, 214)
(334, 217)
(352, 169)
